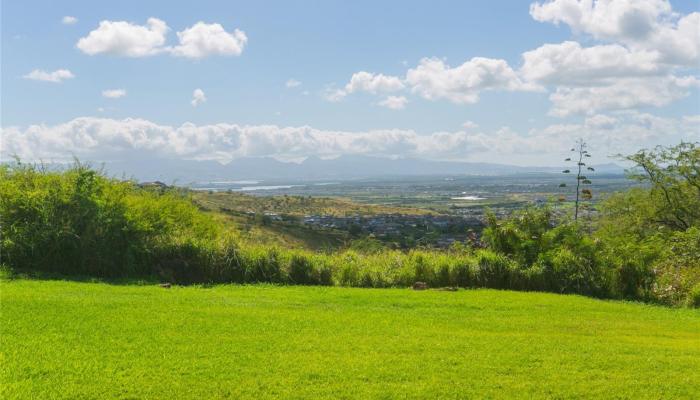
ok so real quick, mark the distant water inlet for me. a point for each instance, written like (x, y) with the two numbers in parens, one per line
(244, 188)
(468, 197)
(271, 187)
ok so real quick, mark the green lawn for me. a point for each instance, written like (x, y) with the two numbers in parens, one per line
(86, 340)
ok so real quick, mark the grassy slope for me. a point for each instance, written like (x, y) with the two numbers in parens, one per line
(296, 205)
(83, 340)
(283, 234)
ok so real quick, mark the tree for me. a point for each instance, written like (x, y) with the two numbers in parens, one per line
(582, 193)
(674, 176)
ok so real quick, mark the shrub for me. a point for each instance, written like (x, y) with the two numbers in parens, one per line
(78, 221)
(493, 269)
(301, 270)
(694, 297)
(521, 235)
(461, 273)
(678, 271)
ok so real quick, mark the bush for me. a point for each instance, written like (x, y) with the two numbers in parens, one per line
(694, 297)
(78, 221)
(493, 269)
(301, 271)
(521, 236)
(677, 273)
(461, 273)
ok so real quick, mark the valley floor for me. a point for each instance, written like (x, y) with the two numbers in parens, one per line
(88, 340)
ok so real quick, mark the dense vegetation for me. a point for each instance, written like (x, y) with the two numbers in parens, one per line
(72, 340)
(644, 244)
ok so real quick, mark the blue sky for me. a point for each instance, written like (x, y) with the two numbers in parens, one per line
(440, 111)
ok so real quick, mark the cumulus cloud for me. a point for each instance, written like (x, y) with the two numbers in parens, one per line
(198, 97)
(394, 102)
(433, 79)
(126, 39)
(373, 83)
(56, 76)
(110, 139)
(648, 57)
(292, 83)
(333, 94)
(603, 77)
(202, 40)
(121, 38)
(68, 20)
(600, 121)
(368, 82)
(113, 93)
(568, 63)
(645, 63)
(469, 125)
(640, 24)
(621, 94)
(621, 19)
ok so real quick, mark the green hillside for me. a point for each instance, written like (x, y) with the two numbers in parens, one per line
(295, 205)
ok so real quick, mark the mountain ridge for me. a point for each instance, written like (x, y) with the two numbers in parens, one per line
(314, 168)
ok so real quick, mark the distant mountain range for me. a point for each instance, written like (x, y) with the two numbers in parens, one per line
(312, 169)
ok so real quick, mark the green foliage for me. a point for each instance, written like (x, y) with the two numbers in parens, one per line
(80, 222)
(651, 234)
(367, 245)
(694, 297)
(678, 272)
(674, 176)
(551, 257)
(520, 236)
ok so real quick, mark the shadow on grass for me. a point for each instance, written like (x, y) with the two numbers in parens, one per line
(9, 274)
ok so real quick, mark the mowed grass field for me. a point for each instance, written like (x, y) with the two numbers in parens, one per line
(92, 341)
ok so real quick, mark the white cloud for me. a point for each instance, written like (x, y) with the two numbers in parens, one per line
(292, 83)
(202, 40)
(469, 125)
(569, 64)
(198, 97)
(621, 19)
(109, 139)
(121, 38)
(68, 20)
(433, 79)
(126, 39)
(652, 60)
(640, 24)
(56, 76)
(600, 121)
(114, 93)
(394, 102)
(332, 94)
(368, 82)
(373, 83)
(621, 94)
